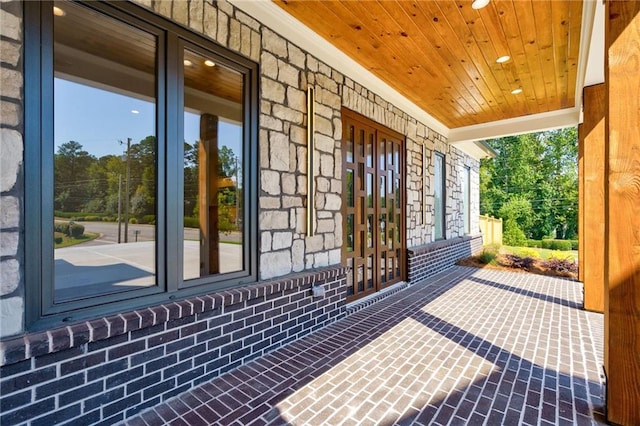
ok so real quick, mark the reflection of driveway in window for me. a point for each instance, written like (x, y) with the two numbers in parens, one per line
(83, 271)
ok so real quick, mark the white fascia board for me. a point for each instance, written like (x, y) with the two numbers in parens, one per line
(475, 149)
(516, 126)
(295, 31)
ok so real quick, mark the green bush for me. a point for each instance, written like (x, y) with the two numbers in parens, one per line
(58, 237)
(489, 254)
(62, 227)
(563, 245)
(513, 235)
(79, 218)
(574, 244)
(133, 220)
(148, 218)
(534, 243)
(92, 218)
(76, 230)
(191, 222)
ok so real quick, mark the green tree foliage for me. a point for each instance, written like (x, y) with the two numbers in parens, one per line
(540, 169)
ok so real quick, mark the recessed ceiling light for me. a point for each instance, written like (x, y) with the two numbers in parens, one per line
(479, 4)
(135, 111)
(209, 63)
(58, 12)
(187, 63)
(516, 91)
(503, 59)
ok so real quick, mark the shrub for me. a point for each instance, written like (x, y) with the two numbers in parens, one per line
(133, 220)
(528, 252)
(191, 222)
(546, 244)
(518, 262)
(574, 244)
(148, 218)
(489, 254)
(76, 230)
(58, 237)
(534, 243)
(92, 218)
(561, 265)
(79, 218)
(563, 245)
(62, 227)
(513, 235)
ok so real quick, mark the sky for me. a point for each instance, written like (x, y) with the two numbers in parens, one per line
(99, 119)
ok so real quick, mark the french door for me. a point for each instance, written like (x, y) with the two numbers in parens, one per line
(373, 205)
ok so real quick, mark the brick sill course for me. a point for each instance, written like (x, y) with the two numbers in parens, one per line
(30, 345)
(427, 248)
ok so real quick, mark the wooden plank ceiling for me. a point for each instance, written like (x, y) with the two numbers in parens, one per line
(441, 54)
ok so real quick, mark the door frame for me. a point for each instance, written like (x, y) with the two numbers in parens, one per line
(377, 130)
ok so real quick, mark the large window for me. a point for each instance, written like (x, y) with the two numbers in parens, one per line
(466, 199)
(439, 196)
(141, 161)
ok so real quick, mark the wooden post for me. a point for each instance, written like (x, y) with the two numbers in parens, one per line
(208, 195)
(581, 202)
(622, 226)
(592, 139)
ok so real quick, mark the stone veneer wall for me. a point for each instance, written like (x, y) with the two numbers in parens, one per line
(428, 260)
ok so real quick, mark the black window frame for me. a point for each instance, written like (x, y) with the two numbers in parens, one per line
(40, 310)
(443, 188)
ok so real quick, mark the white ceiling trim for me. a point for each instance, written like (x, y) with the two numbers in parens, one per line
(290, 28)
(516, 126)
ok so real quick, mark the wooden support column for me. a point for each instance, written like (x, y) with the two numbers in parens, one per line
(592, 138)
(622, 227)
(581, 202)
(208, 195)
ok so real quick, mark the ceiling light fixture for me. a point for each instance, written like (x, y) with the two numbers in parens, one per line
(209, 63)
(479, 4)
(58, 12)
(187, 63)
(516, 91)
(503, 59)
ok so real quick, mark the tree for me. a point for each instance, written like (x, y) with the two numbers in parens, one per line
(540, 168)
(71, 177)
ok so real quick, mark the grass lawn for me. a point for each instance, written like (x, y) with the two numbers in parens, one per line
(68, 241)
(539, 253)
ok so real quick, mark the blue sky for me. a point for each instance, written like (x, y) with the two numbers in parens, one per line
(99, 119)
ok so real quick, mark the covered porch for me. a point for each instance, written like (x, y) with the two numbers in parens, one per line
(466, 346)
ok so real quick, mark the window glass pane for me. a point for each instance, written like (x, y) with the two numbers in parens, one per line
(213, 159)
(105, 155)
(438, 193)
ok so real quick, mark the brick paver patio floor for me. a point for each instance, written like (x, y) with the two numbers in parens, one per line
(466, 347)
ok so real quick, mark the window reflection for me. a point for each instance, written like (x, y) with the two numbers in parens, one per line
(104, 155)
(213, 230)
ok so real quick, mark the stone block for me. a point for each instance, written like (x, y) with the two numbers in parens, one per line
(10, 52)
(288, 202)
(11, 150)
(273, 43)
(325, 225)
(288, 183)
(297, 255)
(324, 143)
(281, 240)
(8, 243)
(296, 56)
(9, 276)
(272, 90)
(332, 202)
(270, 122)
(264, 148)
(288, 114)
(11, 26)
(247, 20)
(234, 35)
(296, 99)
(288, 74)
(196, 14)
(274, 219)
(270, 182)
(324, 126)
(265, 242)
(11, 113)
(245, 40)
(335, 256)
(255, 45)
(326, 165)
(315, 243)
(9, 212)
(302, 185)
(210, 21)
(270, 203)
(223, 28)
(278, 151)
(321, 259)
(275, 264)
(11, 83)
(11, 316)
